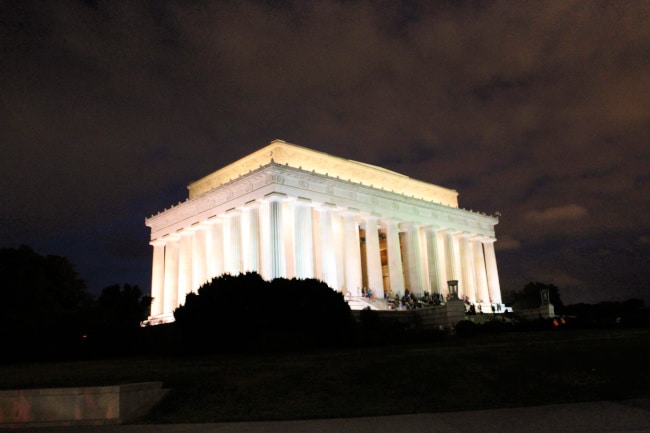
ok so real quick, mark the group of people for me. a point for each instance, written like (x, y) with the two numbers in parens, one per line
(409, 301)
(471, 308)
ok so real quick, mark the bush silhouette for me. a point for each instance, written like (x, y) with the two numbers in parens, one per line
(466, 328)
(247, 312)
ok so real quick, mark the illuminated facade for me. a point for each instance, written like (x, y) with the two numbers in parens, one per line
(288, 211)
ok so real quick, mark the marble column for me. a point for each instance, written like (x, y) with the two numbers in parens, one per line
(185, 266)
(170, 298)
(353, 276)
(482, 293)
(436, 262)
(395, 270)
(452, 258)
(271, 237)
(441, 263)
(251, 237)
(339, 250)
(289, 237)
(328, 254)
(303, 239)
(491, 270)
(373, 257)
(424, 261)
(317, 242)
(199, 258)
(214, 248)
(158, 278)
(413, 262)
(265, 240)
(232, 242)
(467, 256)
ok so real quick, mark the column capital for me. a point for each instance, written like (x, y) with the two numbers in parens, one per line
(371, 216)
(389, 220)
(233, 211)
(194, 227)
(214, 219)
(275, 196)
(187, 231)
(302, 201)
(437, 229)
(171, 237)
(324, 205)
(252, 204)
(350, 211)
(406, 225)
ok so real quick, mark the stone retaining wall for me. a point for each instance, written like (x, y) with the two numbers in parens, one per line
(430, 318)
(78, 406)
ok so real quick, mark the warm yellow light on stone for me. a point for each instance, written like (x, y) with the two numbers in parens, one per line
(295, 156)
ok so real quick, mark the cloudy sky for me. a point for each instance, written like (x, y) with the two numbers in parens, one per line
(538, 110)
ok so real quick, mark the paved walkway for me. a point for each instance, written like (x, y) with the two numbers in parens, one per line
(595, 417)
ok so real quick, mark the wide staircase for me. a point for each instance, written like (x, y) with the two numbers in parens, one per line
(362, 302)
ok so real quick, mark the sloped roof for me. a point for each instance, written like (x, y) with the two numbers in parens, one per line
(284, 153)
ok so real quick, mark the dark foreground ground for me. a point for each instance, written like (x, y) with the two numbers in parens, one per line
(626, 416)
(452, 374)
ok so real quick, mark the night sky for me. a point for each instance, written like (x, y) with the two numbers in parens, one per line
(538, 110)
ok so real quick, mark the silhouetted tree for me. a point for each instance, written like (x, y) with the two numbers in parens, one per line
(115, 328)
(44, 304)
(630, 312)
(123, 308)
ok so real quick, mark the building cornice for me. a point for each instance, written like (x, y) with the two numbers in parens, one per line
(320, 189)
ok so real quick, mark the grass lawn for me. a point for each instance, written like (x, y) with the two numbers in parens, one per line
(505, 370)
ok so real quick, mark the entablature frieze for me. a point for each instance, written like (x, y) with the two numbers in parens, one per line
(319, 189)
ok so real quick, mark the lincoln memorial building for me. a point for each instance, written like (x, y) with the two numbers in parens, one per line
(292, 212)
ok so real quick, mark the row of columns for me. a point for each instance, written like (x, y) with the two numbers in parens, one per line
(282, 237)
(467, 258)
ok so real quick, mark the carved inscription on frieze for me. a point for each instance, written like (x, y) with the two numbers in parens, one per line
(274, 178)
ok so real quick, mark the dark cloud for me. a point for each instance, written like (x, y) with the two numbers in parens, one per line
(559, 214)
(535, 109)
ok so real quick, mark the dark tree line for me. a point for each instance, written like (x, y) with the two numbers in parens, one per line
(46, 312)
(631, 312)
(530, 296)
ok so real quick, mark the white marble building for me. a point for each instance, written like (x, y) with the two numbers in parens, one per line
(288, 211)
